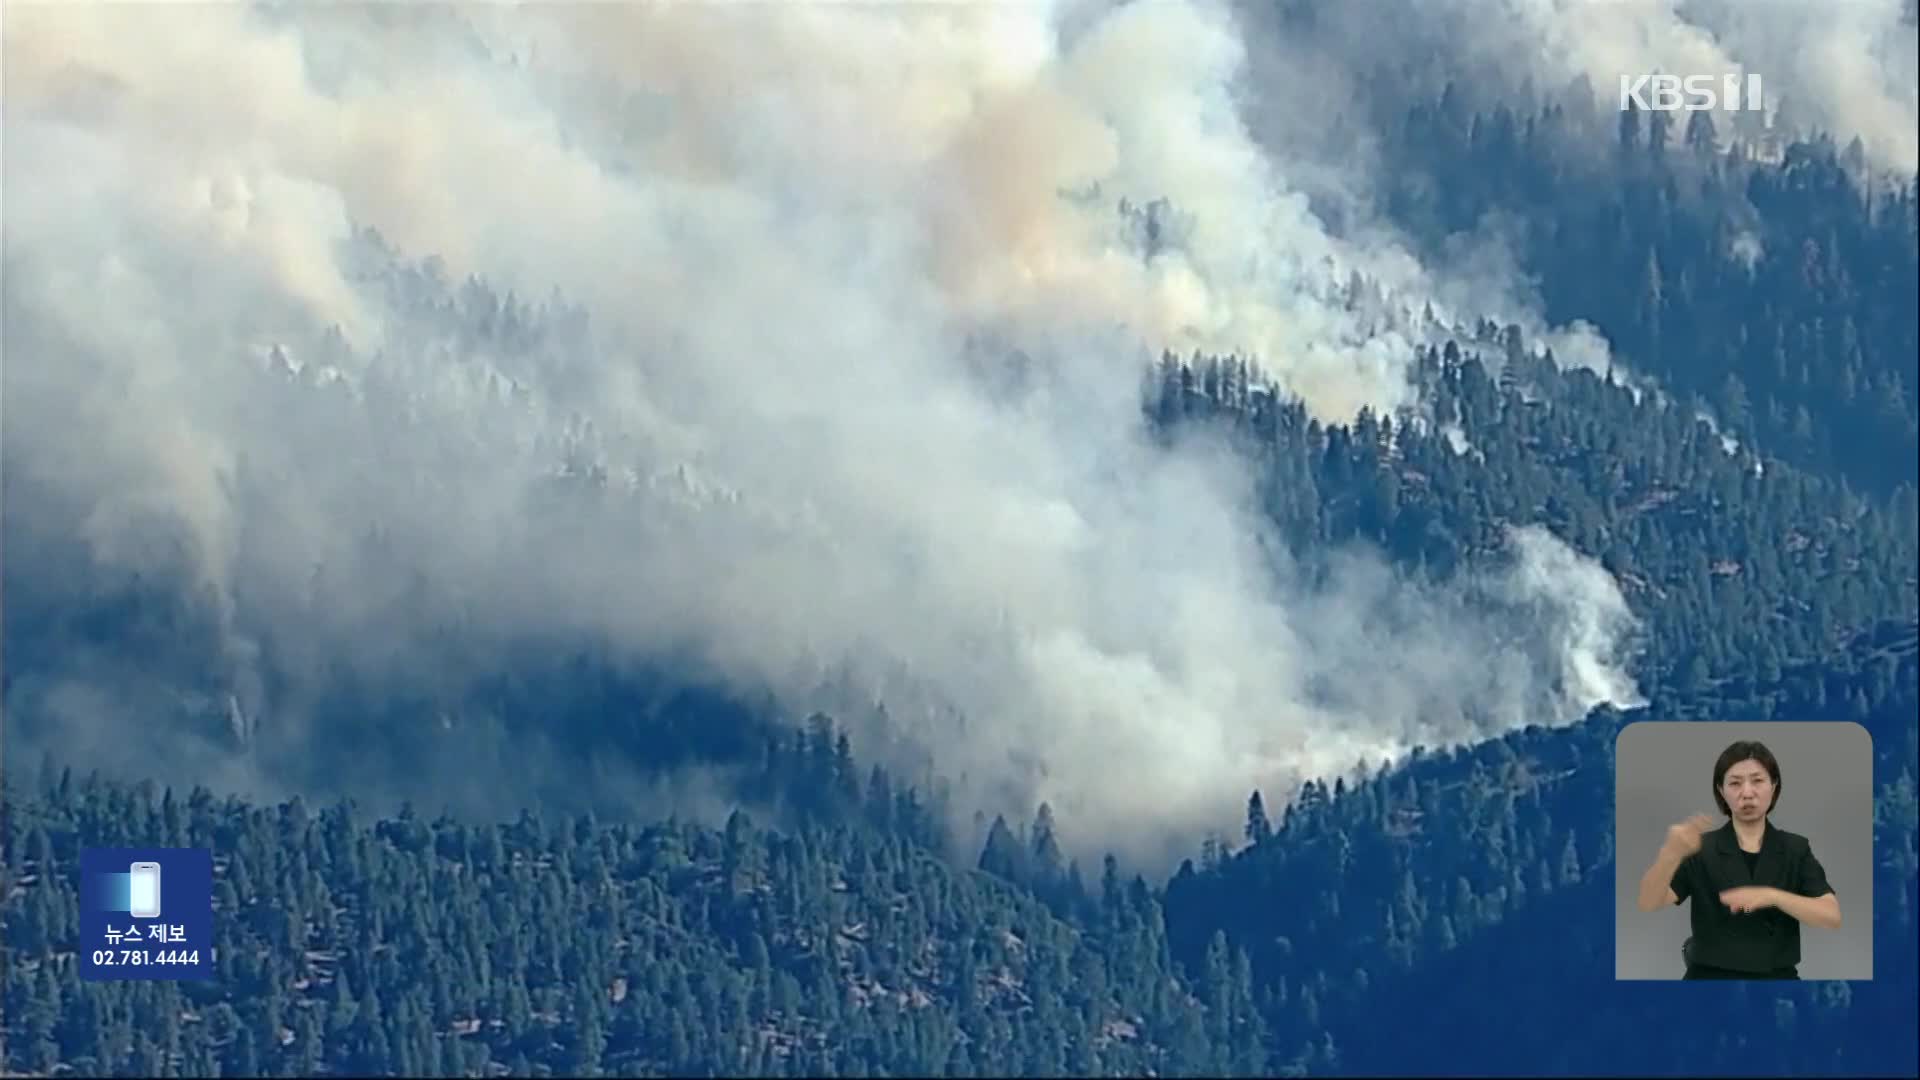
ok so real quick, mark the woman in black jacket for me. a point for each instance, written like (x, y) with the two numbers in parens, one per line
(1751, 884)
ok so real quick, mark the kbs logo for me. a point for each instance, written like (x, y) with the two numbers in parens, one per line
(1667, 93)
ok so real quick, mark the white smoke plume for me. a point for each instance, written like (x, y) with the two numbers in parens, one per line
(791, 226)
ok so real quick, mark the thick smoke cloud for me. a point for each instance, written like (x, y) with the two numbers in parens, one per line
(805, 237)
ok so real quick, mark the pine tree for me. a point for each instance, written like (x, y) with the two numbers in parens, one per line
(1002, 856)
(1047, 858)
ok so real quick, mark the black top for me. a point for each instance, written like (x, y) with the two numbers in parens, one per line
(1760, 942)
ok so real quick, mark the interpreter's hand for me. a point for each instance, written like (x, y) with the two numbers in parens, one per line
(1684, 839)
(1747, 898)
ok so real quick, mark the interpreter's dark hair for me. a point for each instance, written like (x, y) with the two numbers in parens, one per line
(1734, 755)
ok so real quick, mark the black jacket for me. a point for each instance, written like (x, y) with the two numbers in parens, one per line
(1757, 941)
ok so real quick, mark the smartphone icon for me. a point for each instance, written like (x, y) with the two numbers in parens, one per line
(144, 890)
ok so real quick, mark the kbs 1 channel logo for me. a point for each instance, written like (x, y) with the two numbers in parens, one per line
(1691, 93)
(146, 913)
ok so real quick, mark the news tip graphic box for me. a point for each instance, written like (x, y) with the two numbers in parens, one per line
(146, 913)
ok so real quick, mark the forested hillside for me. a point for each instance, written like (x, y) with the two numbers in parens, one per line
(659, 872)
(1738, 568)
(571, 947)
(1756, 279)
(676, 948)
(842, 946)
(1476, 871)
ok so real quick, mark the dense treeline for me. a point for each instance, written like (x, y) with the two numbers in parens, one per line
(1774, 283)
(1430, 894)
(1739, 565)
(415, 948)
(575, 947)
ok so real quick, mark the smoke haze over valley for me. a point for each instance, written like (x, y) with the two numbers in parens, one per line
(821, 372)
